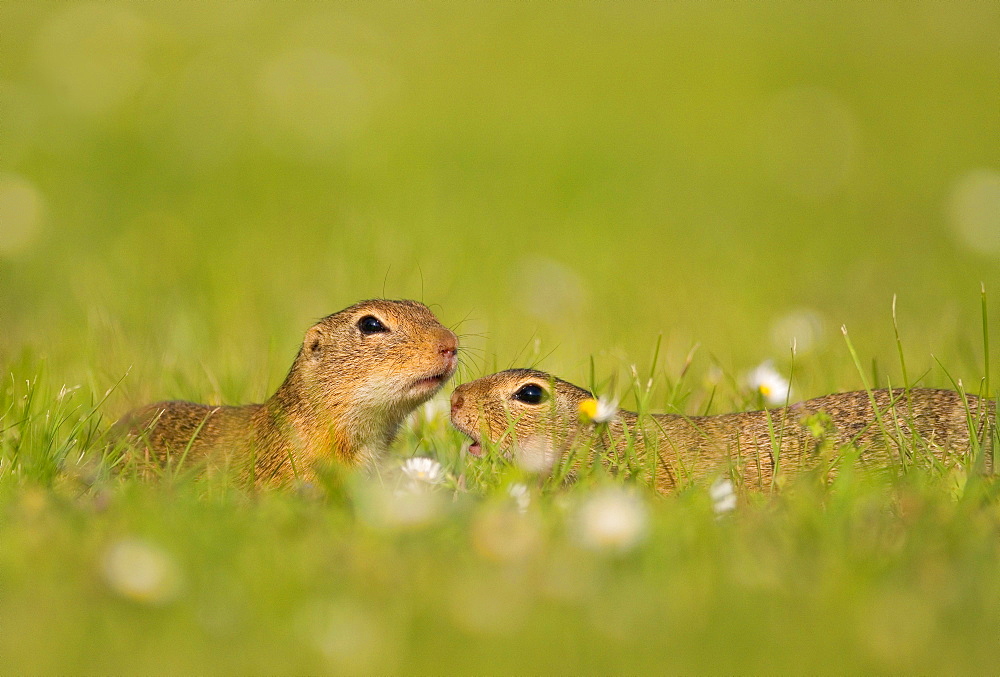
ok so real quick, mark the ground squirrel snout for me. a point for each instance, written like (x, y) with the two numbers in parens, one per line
(525, 408)
(356, 376)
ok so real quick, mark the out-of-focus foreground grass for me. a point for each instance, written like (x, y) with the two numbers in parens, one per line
(185, 187)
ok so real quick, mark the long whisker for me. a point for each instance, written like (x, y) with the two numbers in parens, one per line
(462, 321)
(485, 337)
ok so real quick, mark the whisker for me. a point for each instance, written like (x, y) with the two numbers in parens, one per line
(524, 348)
(462, 364)
(462, 321)
(485, 337)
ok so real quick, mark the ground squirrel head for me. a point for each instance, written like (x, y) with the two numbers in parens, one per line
(376, 360)
(518, 408)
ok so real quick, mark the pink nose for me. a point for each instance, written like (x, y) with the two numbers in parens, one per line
(449, 345)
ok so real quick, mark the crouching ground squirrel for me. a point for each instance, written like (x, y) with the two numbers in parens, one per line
(531, 412)
(357, 375)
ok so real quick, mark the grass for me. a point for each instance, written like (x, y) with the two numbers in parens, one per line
(648, 200)
(874, 571)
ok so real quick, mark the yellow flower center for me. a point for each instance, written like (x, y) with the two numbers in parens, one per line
(588, 409)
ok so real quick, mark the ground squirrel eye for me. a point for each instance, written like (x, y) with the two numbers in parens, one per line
(369, 324)
(530, 393)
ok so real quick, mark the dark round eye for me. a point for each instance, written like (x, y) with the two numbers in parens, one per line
(369, 324)
(530, 393)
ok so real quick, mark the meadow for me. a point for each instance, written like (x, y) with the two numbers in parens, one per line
(649, 199)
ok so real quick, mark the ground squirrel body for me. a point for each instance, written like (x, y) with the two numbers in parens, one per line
(357, 375)
(529, 409)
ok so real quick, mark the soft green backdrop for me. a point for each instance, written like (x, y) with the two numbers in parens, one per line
(186, 186)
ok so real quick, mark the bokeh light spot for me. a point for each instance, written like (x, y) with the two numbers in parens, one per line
(141, 571)
(974, 210)
(353, 639)
(21, 211)
(802, 327)
(549, 290)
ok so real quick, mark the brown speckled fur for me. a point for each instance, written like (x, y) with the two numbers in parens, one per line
(926, 423)
(345, 397)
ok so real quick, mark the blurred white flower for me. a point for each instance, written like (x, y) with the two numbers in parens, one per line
(612, 519)
(714, 375)
(522, 498)
(435, 409)
(354, 638)
(535, 454)
(503, 534)
(141, 571)
(423, 470)
(409, 507)
(769, 382)
(723, 496)
(600, 410)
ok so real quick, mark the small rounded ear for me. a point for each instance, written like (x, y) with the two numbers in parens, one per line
(312, 344)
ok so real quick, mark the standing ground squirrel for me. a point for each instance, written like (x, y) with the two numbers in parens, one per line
(536, 413)
(357, 375)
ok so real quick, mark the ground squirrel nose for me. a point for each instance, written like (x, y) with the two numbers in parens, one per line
(457, 400)
(449, 345)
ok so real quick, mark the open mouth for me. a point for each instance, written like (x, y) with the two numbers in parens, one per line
(475, 448)
(431, 382)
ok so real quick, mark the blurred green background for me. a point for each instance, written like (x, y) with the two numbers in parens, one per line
(187, 186)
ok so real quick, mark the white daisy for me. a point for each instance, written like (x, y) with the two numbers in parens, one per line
(600, 410)
(766, 380)
(424, 470)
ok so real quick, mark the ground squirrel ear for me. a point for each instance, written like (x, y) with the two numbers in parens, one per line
(312, 344)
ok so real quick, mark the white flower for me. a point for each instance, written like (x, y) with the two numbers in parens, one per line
(141, 572)
(423, 470)
(723, 496)
(766, 380)
(519, 492)
(600, 410)
(612, 519)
